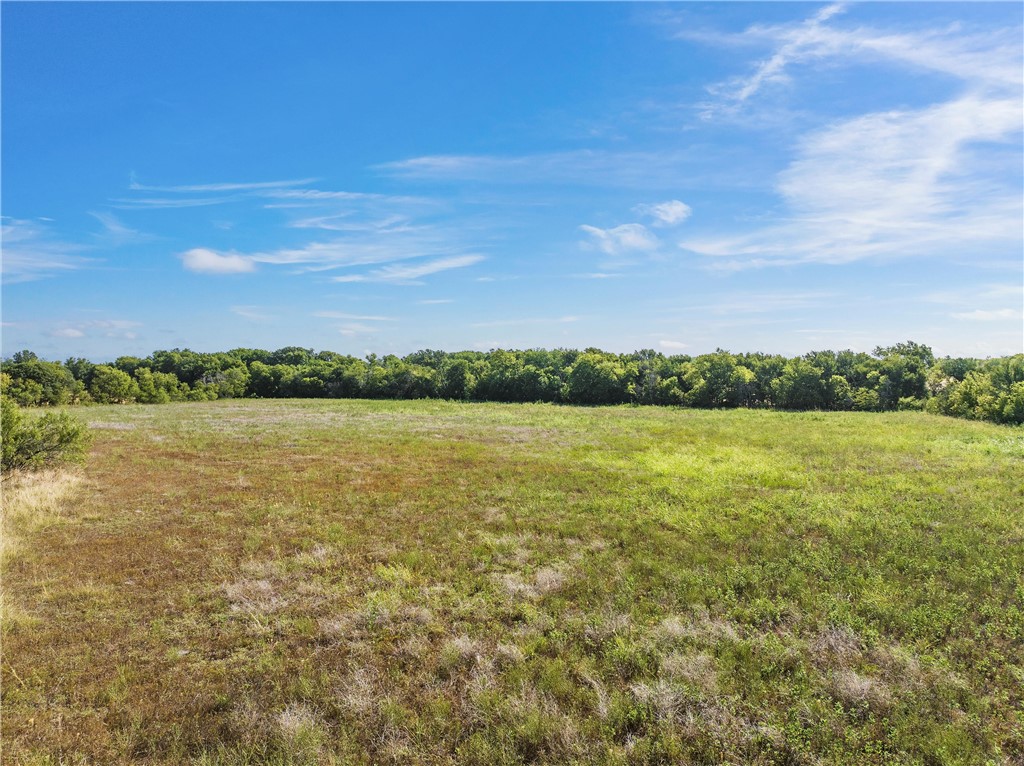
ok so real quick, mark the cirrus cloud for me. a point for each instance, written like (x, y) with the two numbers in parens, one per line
(621, 240)
(204, 261)
(671, 213)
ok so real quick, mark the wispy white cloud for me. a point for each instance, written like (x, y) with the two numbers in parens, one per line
(355, 251)
(220, 187)
(671, 213)
(673, 345)
(410, 273)
(988, 315)
(504, 278)
(355, 329)
(113, 324)
(313, 197)
(359, 317)
(206, 261)
(32, 251)
(621, 241)
(597, 275)
(585, 167)
(435, 301)
(797, 43)
(222, 193)
(349, 251)
(762, 302)
(342, 222)
(528, 321)
(905, 182)
(68, 332)
(107, 328)
(987, 59)
(153, 203)
(253, 313)
(890, 184)
(970, 295)
(115, 232)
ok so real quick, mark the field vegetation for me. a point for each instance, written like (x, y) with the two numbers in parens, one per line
(425, 582)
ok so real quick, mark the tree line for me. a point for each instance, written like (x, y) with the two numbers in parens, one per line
(904, 376)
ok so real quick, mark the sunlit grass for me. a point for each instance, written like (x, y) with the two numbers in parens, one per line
(421, 582)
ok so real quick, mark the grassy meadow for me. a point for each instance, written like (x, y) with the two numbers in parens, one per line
(355, 582)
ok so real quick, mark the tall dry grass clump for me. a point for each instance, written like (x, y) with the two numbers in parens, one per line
(30, 502)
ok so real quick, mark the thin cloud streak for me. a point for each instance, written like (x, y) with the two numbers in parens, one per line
(991, 59)
(585, 167)
(402, 274)
(252, 313)
(116, 233)
(988, 315)
(796, 42)
(527, 321)
(357, 249)
(157, 203)
(31, 252)
(746, 302)
(106, 328)
(221, 187)
(358, 317)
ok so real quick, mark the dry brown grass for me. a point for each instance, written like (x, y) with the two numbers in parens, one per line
(31, 501)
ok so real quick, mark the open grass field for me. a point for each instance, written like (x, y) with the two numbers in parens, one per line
(349, 582)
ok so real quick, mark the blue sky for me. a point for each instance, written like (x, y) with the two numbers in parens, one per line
(390, 177)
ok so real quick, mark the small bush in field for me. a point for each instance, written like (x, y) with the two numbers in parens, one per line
(35, 443)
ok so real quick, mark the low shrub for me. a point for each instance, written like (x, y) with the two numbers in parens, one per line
(31, 443)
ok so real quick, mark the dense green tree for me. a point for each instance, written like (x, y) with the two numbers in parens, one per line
(24, 391)
(291, 355)
(649, 365)
(1011, 404)
(709, 380)
(34, 381)
(112, 386)
(249, 355)
(130, 364)
(159, 387)
(865, 399)
(669, 392)
(975, 398)
(838, 393)
(457, 381)
(908, 349)
(81, 369)
(148, 391)
(799, 387)
(955, 368)
(230, 383)
(344, 380)
(435, 360)
(188, 366)
(596, 379)
(411, 381)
